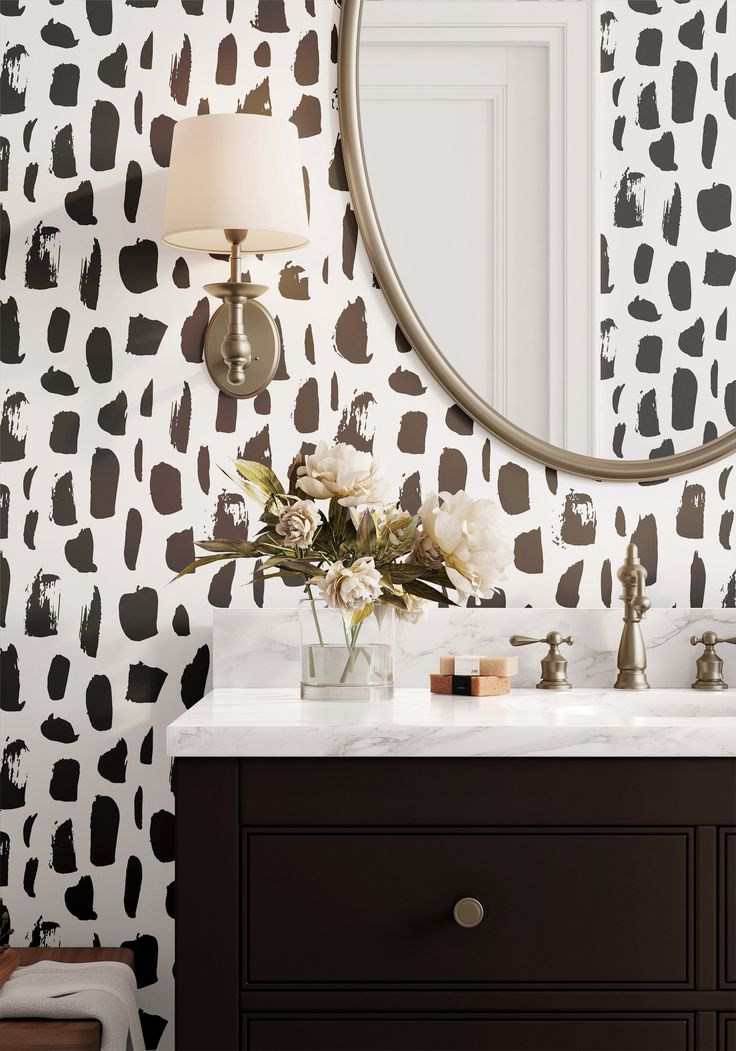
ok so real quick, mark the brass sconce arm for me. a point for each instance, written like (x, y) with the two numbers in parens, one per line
(235, 348)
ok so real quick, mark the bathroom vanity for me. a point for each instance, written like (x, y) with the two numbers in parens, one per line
(525, 873)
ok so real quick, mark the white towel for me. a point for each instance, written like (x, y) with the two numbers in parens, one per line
(105, 991)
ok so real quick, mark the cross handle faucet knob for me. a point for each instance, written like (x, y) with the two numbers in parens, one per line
(554, 665)
(552, 638)
(709, 638)
(709, 664)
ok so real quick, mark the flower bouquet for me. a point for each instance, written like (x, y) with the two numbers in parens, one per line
(364, 562)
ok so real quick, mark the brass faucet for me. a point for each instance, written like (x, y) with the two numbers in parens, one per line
(554, 665)
(710, 665)
(632, 655)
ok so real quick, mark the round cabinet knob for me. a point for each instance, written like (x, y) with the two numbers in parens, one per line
(468, 912)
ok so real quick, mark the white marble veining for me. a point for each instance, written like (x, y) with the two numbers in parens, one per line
(583, 722)
(261, 647)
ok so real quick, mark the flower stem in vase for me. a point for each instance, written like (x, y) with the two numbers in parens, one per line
(308, 589)
(350, 642)
(354, 632)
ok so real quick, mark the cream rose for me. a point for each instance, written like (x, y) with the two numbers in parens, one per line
(471, 538)
(343, 472)
(350, 588)
(298, 523)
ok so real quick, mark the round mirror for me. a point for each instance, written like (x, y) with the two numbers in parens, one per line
(564, 280)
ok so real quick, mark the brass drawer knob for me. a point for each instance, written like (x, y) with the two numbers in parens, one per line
(468, 912)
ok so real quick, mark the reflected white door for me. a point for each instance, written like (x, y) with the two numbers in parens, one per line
(468, 153)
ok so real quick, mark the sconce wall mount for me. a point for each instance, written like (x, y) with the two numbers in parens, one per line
(235, 185)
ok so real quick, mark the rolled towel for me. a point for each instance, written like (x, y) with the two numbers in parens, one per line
(105, 991)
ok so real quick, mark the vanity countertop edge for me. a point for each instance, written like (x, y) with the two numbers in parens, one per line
(581, 722)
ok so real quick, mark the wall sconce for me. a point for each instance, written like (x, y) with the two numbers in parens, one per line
(235, 185)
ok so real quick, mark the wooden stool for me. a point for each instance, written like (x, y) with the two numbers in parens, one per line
(68, 1034)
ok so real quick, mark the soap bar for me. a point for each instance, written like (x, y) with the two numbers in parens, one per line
(469, 685)
(503, 666)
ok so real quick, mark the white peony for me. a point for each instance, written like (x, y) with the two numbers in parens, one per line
(298, 523)
(352, 476)
(470, 535)
(416, 608)
(350, 588)
(424, 550)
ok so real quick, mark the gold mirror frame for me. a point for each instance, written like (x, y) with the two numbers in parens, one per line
(653, 470)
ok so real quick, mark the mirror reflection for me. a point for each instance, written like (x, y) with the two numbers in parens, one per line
(554, 186)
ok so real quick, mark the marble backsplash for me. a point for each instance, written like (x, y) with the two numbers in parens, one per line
(260, 647)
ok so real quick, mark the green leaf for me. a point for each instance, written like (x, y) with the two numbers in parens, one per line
(422, 590)
(259, 574)
(366, 535)
(322, 541)
(293, 565)
(293, 476)
(274, 560)
(335, 516)
(360, 615)
(260, 476)
(390, 599)
(199, 562)
(403, 572)
(340, 523)
(269, 539)
(241, 548)
(272, 509)
(437, 574)
(390, 552)
(254, 494)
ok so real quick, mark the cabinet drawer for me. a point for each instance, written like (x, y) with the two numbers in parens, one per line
(542, 1033)
(727, 907)
(561, 908)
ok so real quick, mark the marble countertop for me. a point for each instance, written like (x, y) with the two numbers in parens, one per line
(525, 722)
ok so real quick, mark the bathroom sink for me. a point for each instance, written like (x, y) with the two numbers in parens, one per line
(676, 711)
(699, 704)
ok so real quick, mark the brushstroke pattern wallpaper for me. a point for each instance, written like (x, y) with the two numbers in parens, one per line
(112, 435)
(668, 247)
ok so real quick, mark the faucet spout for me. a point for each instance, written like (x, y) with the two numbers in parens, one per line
(632, 655)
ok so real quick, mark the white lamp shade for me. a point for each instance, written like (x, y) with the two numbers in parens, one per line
(235, 171)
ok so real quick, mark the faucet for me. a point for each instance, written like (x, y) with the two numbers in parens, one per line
(554, 665)
(632, 655)
(710, 665)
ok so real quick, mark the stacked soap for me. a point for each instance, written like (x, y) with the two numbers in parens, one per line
(471, 676)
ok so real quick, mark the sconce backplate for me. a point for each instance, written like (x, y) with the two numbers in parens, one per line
(265, 344)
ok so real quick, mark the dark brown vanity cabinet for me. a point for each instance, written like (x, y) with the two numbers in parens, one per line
(315, 904)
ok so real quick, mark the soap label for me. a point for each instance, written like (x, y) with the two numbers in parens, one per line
(461, 686)
(466, 665)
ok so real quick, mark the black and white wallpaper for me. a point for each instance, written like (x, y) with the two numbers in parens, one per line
(112, 434)
(668, 247)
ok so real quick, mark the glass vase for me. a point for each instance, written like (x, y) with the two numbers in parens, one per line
(340, 663)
